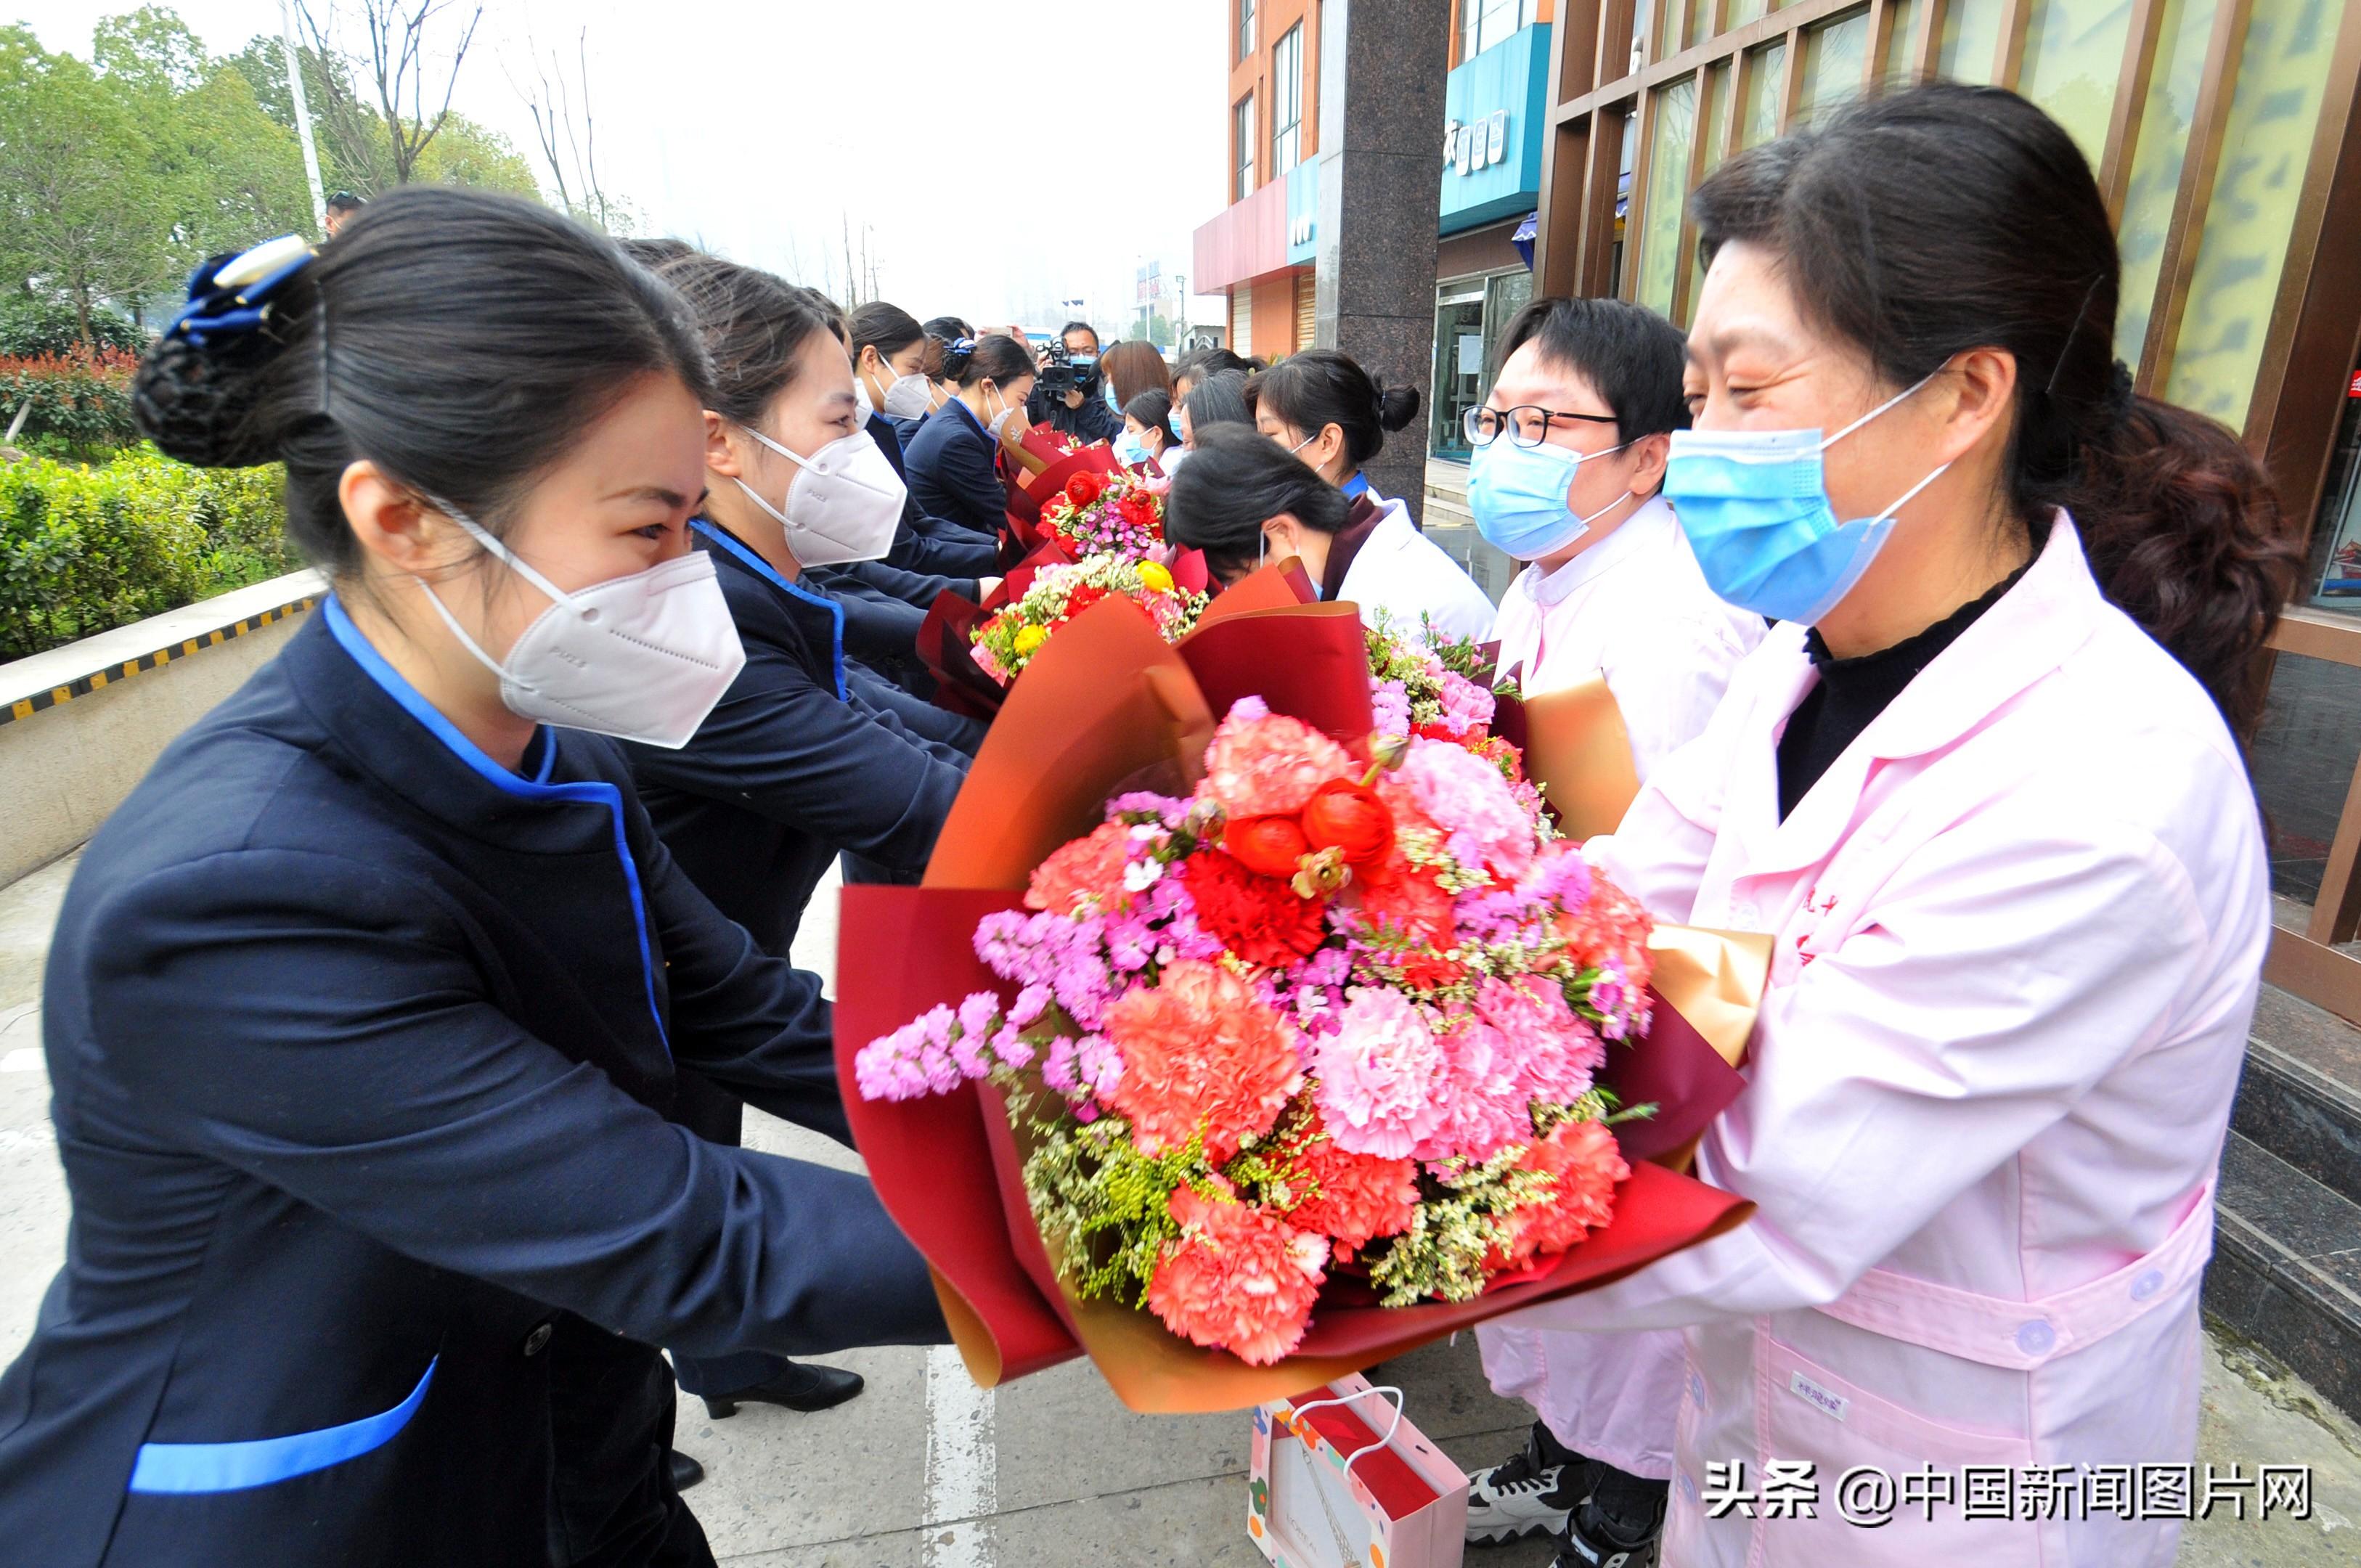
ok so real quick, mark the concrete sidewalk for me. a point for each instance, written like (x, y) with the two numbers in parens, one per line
(925, 1469)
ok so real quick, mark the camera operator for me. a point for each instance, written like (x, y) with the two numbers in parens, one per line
(1069, 395)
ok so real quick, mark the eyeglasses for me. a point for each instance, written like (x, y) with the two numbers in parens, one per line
(1527, 425)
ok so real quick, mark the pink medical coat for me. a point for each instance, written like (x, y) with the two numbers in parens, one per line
(2020, 927)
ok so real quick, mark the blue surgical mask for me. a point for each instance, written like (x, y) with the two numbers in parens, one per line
(1107, 392)
(1755, 507)
(1130, 450)
(1518, 494)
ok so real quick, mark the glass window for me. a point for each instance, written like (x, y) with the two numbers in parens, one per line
(2163, 143)
(1971, 40)
(1836, 54)
(1747, 10)
(1287, 102)
(2073, 56)
(1622, 205)
(1674, 116)
(1760, 110)
(2303, 759)
(1895, 67)
(1242, 146)
(1245, 28)
(1716, 124)
(2335, 581)
(1483, 22)
(2265, 146)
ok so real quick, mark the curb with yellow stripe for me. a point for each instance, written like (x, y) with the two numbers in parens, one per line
(25, 706)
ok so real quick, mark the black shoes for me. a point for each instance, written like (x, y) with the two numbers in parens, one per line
(804, 1386)
(1619, 1525)
(685, 1472)
(1534, 1492)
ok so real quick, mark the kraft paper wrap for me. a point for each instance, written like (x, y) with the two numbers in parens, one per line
(1108, 705)
(1578, 751)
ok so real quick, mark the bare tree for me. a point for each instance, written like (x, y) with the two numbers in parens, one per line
(569, 143)
(399, 71)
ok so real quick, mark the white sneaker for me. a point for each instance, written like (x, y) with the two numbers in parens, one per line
(1519, 1498)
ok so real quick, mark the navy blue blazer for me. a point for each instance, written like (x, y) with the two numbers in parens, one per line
(951, 472)
(361, 1049)
(928, 545)
(806, 755)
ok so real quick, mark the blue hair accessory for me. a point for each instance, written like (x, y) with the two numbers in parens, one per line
(231, 298)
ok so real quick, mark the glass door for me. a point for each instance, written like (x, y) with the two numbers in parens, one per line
(1459, 347)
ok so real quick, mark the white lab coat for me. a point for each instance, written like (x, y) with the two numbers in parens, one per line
(1635, 607)
(1405, 574)
(2020, 926)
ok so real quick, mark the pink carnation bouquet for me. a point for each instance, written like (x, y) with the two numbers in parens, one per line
(1329, 1024)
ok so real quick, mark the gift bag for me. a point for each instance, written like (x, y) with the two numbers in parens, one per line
(1341, 1480)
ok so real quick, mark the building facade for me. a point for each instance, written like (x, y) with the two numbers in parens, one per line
(1258, 250)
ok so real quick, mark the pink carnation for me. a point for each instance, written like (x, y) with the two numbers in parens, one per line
(1238, 1278)
(1262, 763)
(1466, 797)
(1483, 1110)
(1375, 1075)
(1356, 1198)
(1199, 1049)
(1555, 1053)
(1466, 705)
(1084, 873)
(1584, 1164)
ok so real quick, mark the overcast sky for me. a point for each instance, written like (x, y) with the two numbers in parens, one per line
(1006, 154)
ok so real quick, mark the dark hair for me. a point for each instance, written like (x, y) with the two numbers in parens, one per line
(1947, 218)
(828, 308)
(1219, 398)
(753, 324)
(1203, 362)
(995, 358)
(950, 329)
(1320, 387)
(655, 251)
(1132, 367)
(1236, 481)
(1153, 408)
(1632, 357)
(461, 341)
(1080, 326)
(889, 329)
(344, 202)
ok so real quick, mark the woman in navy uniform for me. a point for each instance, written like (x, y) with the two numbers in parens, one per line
(806, 755)
(951, 459)
(889, 368)
(364, 1012)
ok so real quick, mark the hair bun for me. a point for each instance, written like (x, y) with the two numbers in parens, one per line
(956, 356)
(198, 404)
(1397, 406)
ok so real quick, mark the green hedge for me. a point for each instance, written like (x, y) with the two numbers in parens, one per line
(85, 549)
(81, 404)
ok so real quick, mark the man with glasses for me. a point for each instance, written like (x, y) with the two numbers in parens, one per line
(1569, 456)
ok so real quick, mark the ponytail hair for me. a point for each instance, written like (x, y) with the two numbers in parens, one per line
(995, 358)
(1947, 218)
(1310, 391)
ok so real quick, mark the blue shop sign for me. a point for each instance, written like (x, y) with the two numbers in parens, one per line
(1495, 107)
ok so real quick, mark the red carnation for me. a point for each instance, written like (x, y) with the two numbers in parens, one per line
(1257, 918)
(1082, 598)
(1082, 489)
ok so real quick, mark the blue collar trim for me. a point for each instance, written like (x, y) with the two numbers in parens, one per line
(373, 664)
(722, 538)
(1358, 485)
(185, 1467)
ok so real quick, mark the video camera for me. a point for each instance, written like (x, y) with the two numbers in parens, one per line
(1063, 370)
